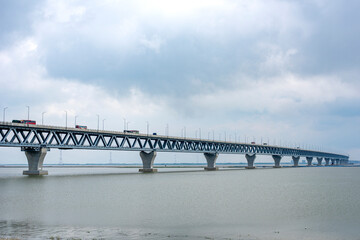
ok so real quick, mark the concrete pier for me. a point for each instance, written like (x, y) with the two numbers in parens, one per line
(309, 160)
(250, 160)
(337, 161)
(211, 160)
(319, 160)
(35, 159)
(327, 160)
(277, 159)
(148, 162)
(333, 161)
(296, 160)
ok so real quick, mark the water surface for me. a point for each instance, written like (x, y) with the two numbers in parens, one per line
(117, 203)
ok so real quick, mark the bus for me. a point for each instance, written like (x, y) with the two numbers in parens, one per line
(24, 121)
(80, 127)
(29, 122)
(131, 131)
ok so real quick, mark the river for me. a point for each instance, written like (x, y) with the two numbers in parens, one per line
(120, 203)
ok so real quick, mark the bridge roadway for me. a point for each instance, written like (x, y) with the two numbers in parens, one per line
(36, 140)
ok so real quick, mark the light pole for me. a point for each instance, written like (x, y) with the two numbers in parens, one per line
(75, 119)
(4, 113)
(28, 107)
(147, 128)
(98, 118)
(200, 133)
(65, 119)
(127, 125)
(103, 123)
(184, 132)
(42, 118)
(124, 124)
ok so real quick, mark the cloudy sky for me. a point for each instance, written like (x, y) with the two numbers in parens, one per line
(284, 71)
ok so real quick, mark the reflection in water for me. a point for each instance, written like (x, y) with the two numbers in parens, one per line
(292, 203)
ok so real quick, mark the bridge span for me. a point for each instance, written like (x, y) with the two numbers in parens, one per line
(37, 140)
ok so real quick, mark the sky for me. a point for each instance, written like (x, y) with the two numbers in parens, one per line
(284, 72)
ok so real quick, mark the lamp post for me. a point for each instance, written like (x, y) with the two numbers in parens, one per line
(28, 107)
(42, 118)
(124, 124)
(4, 113)
(103, 123)
(98, 118)
(75, 119)
(127, 125)
(65, 119)
(147, 128)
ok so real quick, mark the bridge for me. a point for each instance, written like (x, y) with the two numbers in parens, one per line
(37, 140)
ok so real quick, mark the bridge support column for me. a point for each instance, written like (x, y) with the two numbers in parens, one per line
(333, 161)
(319, 160)
(148, 161)
(277, 159)
(35, 159)
(250, 160)
(337, 161)
(309, 160)
(296, 160)
(327, 160)
(211, 160)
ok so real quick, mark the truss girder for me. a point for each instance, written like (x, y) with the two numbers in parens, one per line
(21, 136)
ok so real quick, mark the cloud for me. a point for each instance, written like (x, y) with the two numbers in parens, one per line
(279, 69)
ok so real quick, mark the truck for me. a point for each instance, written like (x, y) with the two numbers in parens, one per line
(80, 127)
(132, 131)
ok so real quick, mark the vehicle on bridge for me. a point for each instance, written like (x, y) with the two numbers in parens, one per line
(132, 131)
(24, 121)
(80, 127)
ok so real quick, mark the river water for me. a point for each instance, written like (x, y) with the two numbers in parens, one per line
(117, 203)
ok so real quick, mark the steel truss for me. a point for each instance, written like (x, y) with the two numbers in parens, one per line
(35, 137)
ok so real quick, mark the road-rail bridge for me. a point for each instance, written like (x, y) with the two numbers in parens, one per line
(36, 140)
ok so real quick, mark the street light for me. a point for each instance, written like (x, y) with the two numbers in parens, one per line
(103, 123)
(42, 118)
(127, 125)
(4, 113)
(75, 119)
(98, 117)
(28, 118)
(65, 119)
(147, 128)
(124, 124)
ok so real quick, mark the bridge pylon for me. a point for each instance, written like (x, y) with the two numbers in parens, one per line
(309, 160)
(35, 157)
(211, 160)
(296, 160)
(319, 160)
(277, 159)
(250, 158)
(148, 162)
(327, 160)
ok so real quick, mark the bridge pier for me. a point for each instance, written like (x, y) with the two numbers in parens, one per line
(211, 160)
(319, 160)
(277, 159)
(337, 161)
(327, 160)
(35, 157)
(333, 161)
(148, 162)
(250, 160)
(309, 160)
(296, 160)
